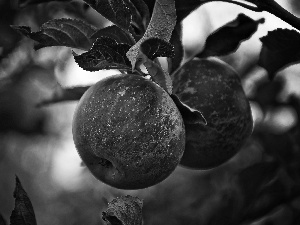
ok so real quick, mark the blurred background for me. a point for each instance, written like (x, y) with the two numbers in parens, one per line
(260, 185)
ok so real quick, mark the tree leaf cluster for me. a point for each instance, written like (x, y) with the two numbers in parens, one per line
(143, 31)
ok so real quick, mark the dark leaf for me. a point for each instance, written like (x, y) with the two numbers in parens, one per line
(2, 220)
(150, 4)
(155, 47)
(23, 213)
(151, 49)
(130, 15)
(281, 48)
(175, 62)
(189, 115)
(61, 32)
(117, 11)
(126, 210)
(140, 15)
(106, 53)
(161, 26)
(255, 177)
(143, 11)
(228, 38)
(24, 3)
(115, 33)
(64, 94)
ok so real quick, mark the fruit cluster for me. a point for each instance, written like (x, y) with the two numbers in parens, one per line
(131, 135)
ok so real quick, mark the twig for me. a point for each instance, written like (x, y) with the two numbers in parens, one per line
(266, 5)
(274, 8)
(253, 8)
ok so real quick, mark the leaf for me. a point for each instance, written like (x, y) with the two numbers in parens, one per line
(157, 73)
(130, 15)
(24, 3)
(143, 11)
(140, 15)
(175, 62)
(64, 94)
(115, 33)
(228, 38)
(189, 115)
(151, 49)
(60, 32)
(155, 47)
(126, 210)
(106, 53)
(161, 26)
(281, 48)
(23, 213)
(117, 11)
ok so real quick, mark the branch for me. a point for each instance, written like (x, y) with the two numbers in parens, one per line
(61, 94)
(274, 8)
(266, 5)
(253, 8)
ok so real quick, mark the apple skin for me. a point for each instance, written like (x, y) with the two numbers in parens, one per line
(214, 88)
(128, 132)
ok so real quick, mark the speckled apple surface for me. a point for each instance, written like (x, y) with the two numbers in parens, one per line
(214, 88)
(128, 132)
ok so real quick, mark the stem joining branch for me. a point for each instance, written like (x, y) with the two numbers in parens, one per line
(266, 5)
(250, 7)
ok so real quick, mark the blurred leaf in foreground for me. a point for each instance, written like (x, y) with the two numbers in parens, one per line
(126, 210)
(23, 213)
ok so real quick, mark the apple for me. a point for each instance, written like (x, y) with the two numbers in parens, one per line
(214, 88)
(128, 131)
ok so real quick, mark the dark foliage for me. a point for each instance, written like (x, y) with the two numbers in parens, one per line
(260, 184)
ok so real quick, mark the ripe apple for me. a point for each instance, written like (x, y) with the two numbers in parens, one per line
(214, 88)
(128, 131)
